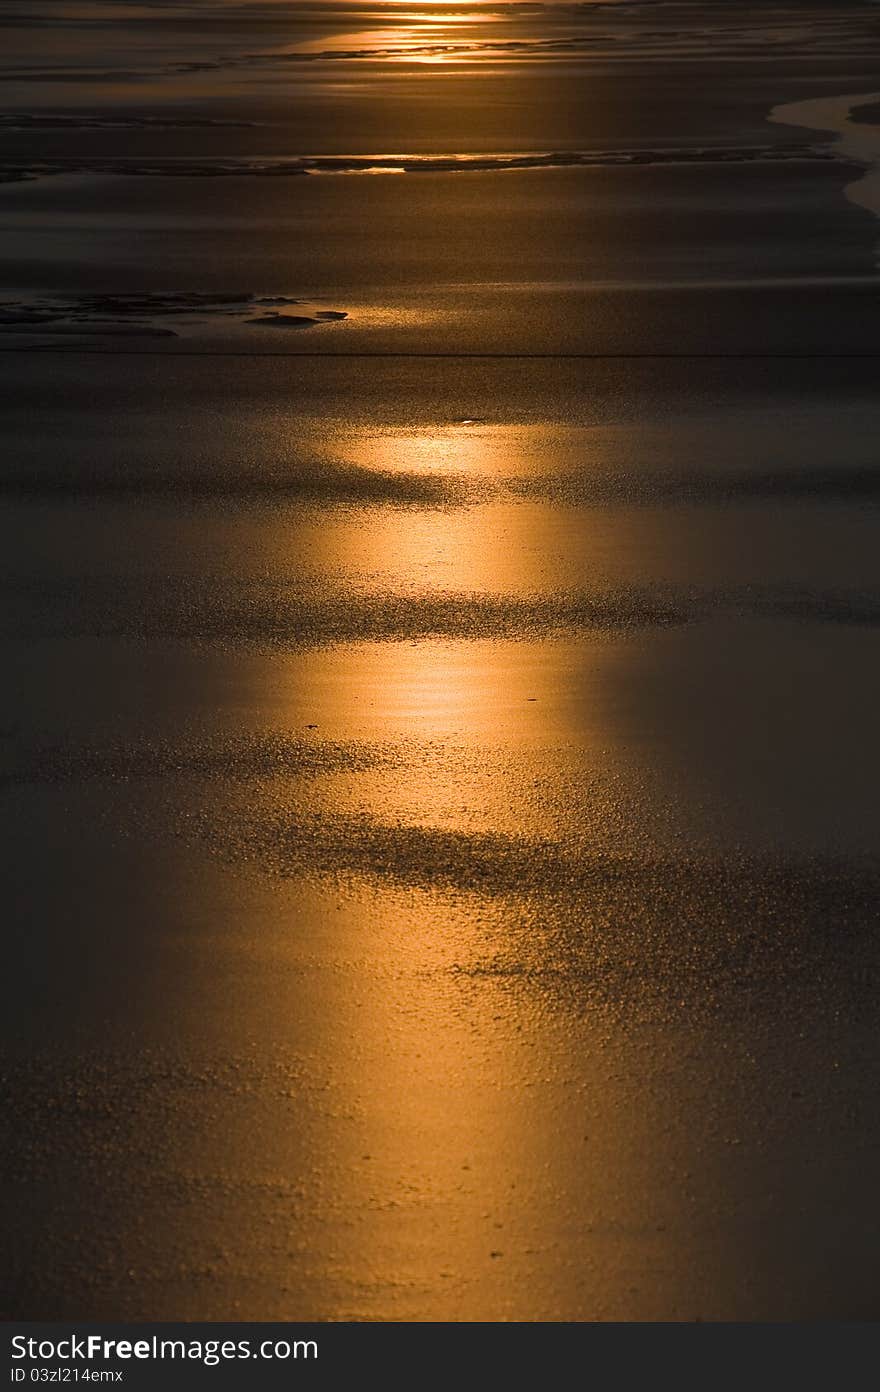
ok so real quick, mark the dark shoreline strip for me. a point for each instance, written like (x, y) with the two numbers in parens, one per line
(488, 355)
(297, 166)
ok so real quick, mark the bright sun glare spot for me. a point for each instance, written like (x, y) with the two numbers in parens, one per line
(487, 451)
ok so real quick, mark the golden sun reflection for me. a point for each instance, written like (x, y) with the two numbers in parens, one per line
(419, 37)
(490, 539)
(471, 716)
(479, 449)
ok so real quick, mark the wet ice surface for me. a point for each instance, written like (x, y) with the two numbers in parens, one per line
(448, 262)
(438, 793)
(443, 863)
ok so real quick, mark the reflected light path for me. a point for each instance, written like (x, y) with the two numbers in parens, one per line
(473, 1192)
